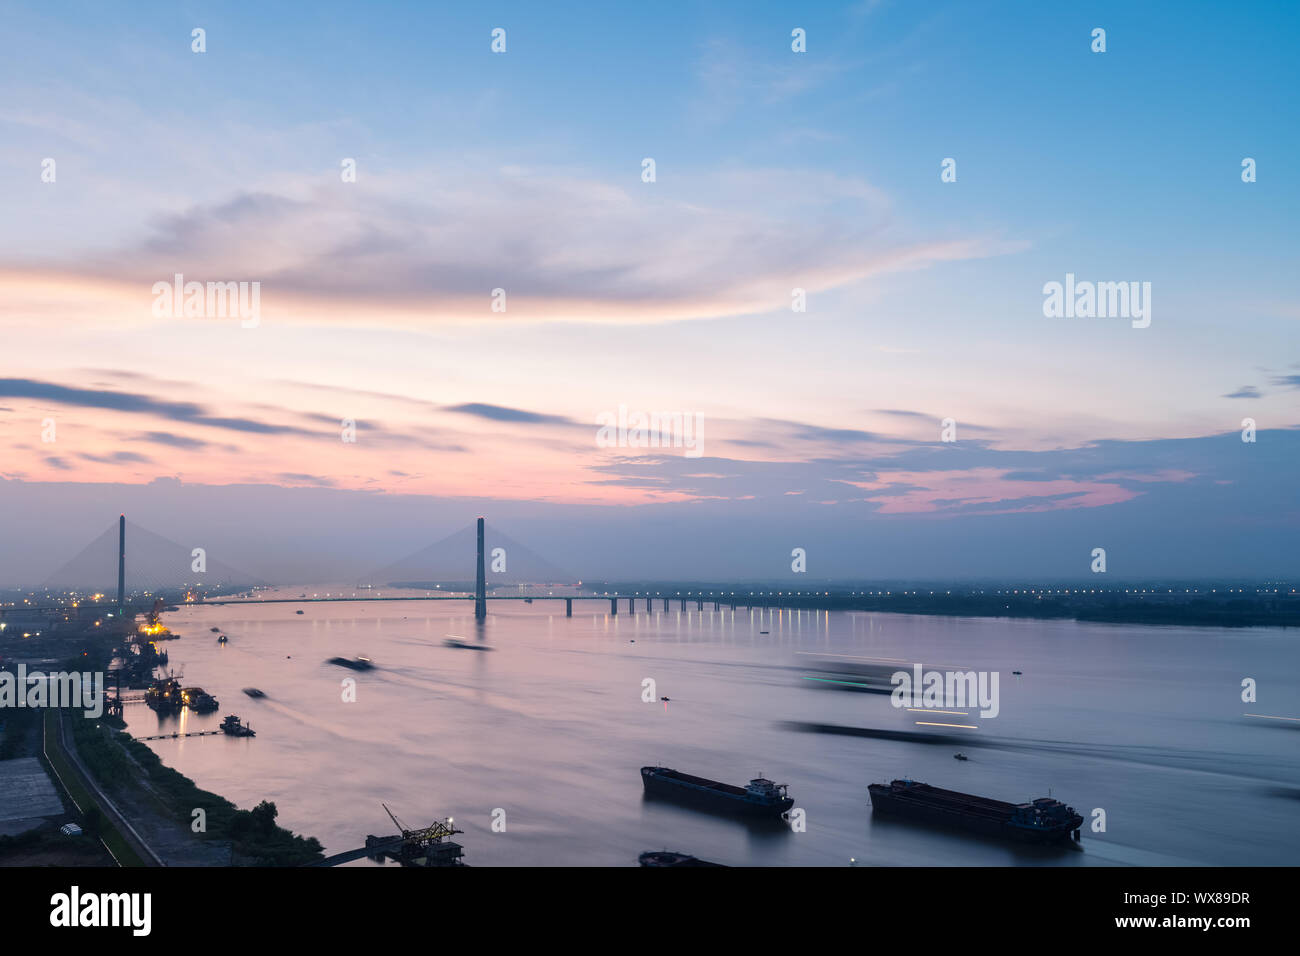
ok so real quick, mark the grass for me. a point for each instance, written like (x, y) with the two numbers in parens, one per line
(93, 816)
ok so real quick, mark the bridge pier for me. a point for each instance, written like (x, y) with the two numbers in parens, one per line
(665, 604)
(683, 604)
(568, 607)
(613, 606)
(631, 605)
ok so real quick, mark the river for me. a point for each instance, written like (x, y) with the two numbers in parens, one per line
(1144, 723)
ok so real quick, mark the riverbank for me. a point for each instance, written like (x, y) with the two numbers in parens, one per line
(185, 825)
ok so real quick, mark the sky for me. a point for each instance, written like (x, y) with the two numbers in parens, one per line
(774, 170)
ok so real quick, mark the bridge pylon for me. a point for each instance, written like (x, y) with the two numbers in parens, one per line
(480, 584)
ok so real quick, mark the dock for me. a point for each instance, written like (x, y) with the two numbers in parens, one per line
(192, 733)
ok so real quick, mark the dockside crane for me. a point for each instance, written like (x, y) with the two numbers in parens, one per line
(424, 840)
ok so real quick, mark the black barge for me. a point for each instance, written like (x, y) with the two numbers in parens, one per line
(1043, 820)
(761, 798)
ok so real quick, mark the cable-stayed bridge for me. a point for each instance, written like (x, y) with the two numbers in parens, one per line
(132, 563)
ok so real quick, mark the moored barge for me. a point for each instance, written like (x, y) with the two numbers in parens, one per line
(1043, 820)
(760, 798)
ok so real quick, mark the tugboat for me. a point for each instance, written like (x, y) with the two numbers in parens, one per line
(671, 858)
(761, 798)
(357, 664)
(1042, 821)
(233, 728)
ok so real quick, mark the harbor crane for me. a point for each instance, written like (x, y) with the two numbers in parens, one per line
(419, 847)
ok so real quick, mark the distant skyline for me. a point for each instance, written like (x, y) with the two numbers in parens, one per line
(774, 171)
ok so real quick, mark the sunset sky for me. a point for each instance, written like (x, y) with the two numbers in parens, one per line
(774, 171)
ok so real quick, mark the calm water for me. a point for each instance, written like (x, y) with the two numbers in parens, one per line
(550, 726)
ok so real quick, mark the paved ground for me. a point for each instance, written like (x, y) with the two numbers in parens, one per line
(26, 795)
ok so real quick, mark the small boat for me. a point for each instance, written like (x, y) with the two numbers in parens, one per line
(528, 600)
(297, 612)
(464, 645)
(1017, 673)
(960, 757)
(233, 728)
(765, 632)
(214, 630)
(664, 698)
(356, 664)
(671, 858)
(222, 639)
(253, 692)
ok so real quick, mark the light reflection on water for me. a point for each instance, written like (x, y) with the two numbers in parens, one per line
(550, 726)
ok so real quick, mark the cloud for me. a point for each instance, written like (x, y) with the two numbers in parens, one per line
(298, 478)
(137, 403)
(174, 441)
(117, 457)
(498, 413)
(417, 248)
(957, 479)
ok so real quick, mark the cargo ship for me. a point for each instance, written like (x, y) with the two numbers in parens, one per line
(761, 798)
(1043, 820)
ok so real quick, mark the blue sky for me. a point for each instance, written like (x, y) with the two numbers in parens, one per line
(774, 169)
